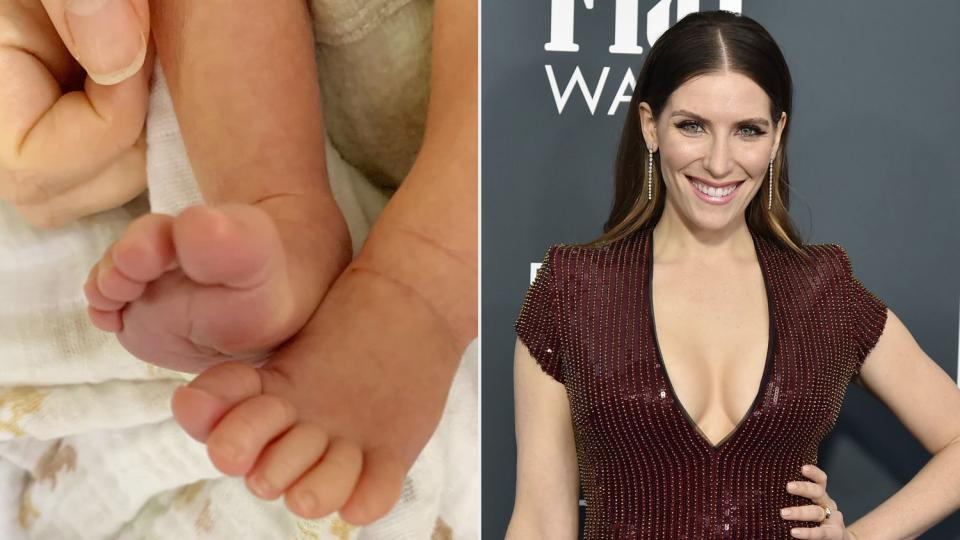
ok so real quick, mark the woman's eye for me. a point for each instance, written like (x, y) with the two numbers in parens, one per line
(752, 131)
(695, 127)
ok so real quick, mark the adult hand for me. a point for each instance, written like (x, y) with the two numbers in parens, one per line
(830, 528)
(73, 100)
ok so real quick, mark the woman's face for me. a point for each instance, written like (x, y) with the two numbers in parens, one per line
(716, 139)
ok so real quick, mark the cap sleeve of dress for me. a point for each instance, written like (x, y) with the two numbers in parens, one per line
(867, 314)
(536, 326)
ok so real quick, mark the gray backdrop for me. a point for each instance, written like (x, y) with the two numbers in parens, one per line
(873, 165)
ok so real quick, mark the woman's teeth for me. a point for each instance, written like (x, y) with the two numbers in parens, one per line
(712, 191)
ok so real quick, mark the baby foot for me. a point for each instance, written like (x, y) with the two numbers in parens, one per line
(212, 284)
(337, 415)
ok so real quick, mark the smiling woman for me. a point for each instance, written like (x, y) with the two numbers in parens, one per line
(736, 151)
(728, 104)
(705, 421)
(714, 192)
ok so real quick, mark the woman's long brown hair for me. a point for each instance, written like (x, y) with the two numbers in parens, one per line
(701, 43)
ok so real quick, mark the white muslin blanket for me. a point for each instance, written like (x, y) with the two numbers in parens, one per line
(88, 446)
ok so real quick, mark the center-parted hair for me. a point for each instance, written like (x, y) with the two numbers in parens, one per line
(699, 44)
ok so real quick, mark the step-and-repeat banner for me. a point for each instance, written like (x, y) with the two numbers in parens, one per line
(873, 163)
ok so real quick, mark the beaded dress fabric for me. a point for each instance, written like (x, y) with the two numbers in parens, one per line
(646, 468)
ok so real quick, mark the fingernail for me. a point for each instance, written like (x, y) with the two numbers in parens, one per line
(109, 42)
(785, 512)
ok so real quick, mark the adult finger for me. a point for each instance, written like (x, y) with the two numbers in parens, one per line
(26, 25)
(51, 143)
(815, 473)
(108, 37)
(810, 490)
(116, 185)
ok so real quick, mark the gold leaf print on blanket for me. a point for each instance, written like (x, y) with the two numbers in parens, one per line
(185, 497)
(204, 522)
(187, 494)
(341, 528)
(59, 457)
(441, 531)
(27, 512)
(314, 529)
(16, 404)
(307, 530)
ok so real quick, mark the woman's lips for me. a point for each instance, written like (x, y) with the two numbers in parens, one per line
(710, 198)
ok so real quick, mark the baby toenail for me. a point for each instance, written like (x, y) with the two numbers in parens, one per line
(198, 391)
(260, 486)
(306, 501)
(230, 451)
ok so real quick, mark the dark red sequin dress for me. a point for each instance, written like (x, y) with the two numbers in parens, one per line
(646, 469)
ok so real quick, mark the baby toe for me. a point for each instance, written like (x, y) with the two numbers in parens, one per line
(145, 251)
(116, 286)
(198, 406)
(286, 459)
(108, 321)
(377, 491)
(233, 245)
(238, 439)
(95, 298)
(324, 489)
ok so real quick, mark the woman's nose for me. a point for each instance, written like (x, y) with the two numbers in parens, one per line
(719, 159)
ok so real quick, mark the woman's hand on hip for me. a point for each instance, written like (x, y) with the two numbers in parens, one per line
(831, 528)
(73, 101)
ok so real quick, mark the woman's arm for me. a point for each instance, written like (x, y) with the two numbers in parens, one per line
(547, 482)
(927, 401)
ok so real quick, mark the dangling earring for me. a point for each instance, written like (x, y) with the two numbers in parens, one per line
(649, 174)
(770, 190)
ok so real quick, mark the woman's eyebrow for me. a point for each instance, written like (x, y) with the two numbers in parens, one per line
(682, 112)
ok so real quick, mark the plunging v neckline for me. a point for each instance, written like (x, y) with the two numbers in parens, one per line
(768, 361)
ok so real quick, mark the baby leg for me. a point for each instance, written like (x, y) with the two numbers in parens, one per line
(235, 279)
